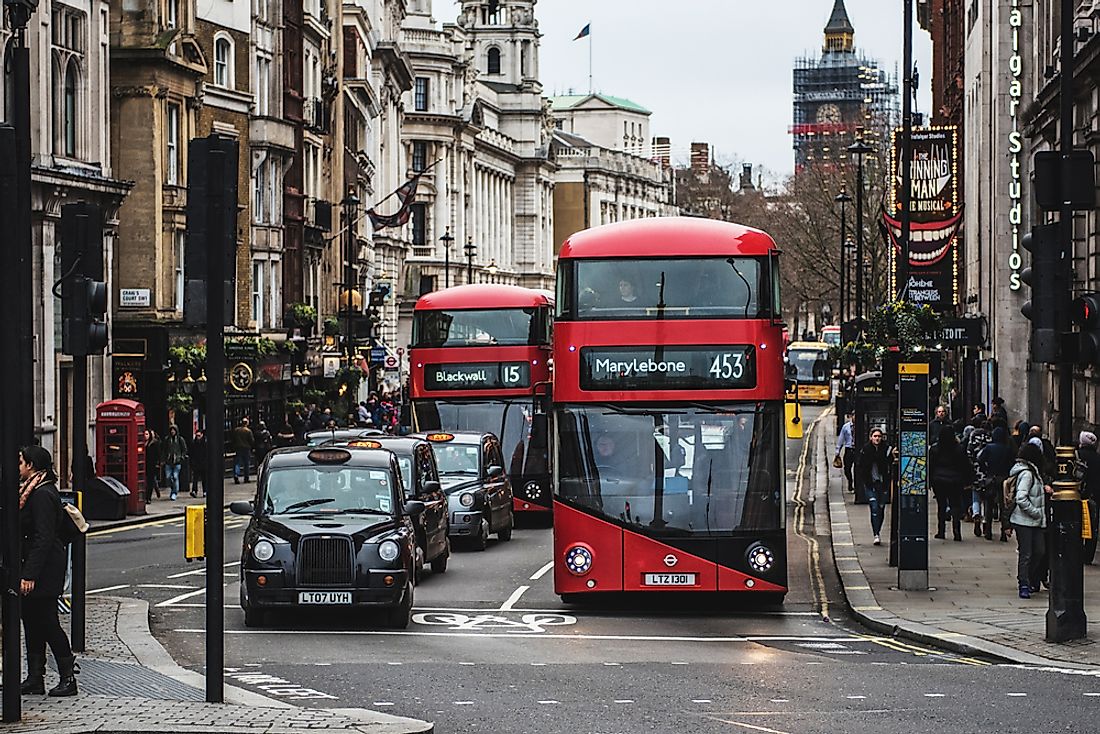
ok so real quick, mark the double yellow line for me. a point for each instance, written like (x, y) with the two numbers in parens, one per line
(909, 648)
(813, 549)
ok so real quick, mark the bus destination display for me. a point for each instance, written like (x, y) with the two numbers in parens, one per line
(477, 376)
(730, 367)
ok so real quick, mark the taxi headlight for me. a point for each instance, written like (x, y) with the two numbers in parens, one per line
(263, 550)
(389, 550)
(467, 500)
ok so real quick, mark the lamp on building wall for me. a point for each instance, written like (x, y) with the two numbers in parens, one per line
(447, 239)
(492, 268)
(470, 249)
(201, 382)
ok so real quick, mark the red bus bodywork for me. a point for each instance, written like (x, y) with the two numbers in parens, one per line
(624, 554)
(531, 487)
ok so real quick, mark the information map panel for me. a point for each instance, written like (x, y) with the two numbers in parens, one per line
(676, 367)
(477, 376)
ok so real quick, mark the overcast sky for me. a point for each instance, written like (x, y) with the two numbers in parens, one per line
(713, 70)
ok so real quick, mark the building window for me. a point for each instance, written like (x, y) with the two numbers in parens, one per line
(263, 86)
(223, 61)
(494, 60)
(427, 284)
(420, 155)
(181, 240)
(275, 293)
(420, 94)
(419, 225)
(259, 194)
(171, 14)
(69, 113)
(172, 138)
(258, 292)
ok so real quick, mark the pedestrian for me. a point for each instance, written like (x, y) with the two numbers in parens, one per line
(244, 443)
(42, 576)
(938, 424)
(362, 414)
(152, 465)
(264, 442)
(1019, 435)
(949, 470)
(873, 471)
(1090, 488)
(998, 412)
(174, 452)
(197, 459)
(995, 462)
(1029, 517)
(846, 448)
(978, 440)
(1050, 460)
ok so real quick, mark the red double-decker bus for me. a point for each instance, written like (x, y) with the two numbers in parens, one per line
(668, 411)
(480, 362)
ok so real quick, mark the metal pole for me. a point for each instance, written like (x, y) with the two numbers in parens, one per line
(843, 198)
(859, 243)
(80, 474)
(216, 244)
(1065, 220)
(446, 264)
(349, 275)
(902, 268)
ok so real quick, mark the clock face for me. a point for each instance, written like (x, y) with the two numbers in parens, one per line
(828, 113)
(240, 377)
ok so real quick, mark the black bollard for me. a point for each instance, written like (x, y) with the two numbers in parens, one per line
(1066, 614)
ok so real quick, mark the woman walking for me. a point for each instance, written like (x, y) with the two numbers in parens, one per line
(995, 461)
(1029, 517)
(43, 572)
(873, 469)
(950, 470)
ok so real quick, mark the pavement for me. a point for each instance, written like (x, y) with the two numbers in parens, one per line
(166, 509)
(972, 606)
(129, 683)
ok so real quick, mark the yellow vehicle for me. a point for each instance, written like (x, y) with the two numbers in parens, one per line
(812, 369)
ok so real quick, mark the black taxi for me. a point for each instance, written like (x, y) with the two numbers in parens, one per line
(330, 528)
(421, 479)
(479, 494)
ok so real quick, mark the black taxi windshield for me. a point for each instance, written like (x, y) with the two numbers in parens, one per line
(684, 470)
(458, 458)
(523, 439)
(653, 288)
(329, 489)
(810, 365)
(479, 328)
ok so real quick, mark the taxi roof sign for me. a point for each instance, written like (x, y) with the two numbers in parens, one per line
(329, 456)
(441, 437)
(364, 444)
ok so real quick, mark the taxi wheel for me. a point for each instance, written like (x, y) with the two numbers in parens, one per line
(505, 533)
(481, 540)
(400, 616)
(439, 563)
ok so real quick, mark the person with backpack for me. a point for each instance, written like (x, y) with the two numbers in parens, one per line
(949, 470)
(42, 520)
(995, 462)
(1090, 488)
(1025, 496)
(979, 439)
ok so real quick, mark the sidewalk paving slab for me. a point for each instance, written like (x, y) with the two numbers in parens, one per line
(166, 509)
(972, 606)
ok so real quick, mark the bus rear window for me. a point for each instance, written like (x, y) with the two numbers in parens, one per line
(683, 288)
(475, 328)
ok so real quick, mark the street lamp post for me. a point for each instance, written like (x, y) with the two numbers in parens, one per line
(470, 249)
(447, 239)
(844, 200)
(859, 149)
(351, 205)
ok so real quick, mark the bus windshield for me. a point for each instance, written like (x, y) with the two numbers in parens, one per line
(676, 470)
(811, 365)
(479, 328)
(651, 288)
(523, 439)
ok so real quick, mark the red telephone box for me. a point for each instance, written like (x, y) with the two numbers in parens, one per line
(120, 448)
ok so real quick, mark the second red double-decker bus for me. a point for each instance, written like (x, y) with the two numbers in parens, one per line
(480, 362)
(668, 411)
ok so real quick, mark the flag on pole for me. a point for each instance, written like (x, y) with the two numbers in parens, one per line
(405, 194)
(587, 30)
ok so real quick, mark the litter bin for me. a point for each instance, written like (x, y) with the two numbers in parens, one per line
(105, 498)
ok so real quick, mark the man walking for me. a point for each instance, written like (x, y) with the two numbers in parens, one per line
(1090, 488)
(197, 458)
(243, 444)
(175, 451)
(938, 423)
(846, 448)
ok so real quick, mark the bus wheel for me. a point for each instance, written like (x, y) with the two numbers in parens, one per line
(572, 599)
(769, 598)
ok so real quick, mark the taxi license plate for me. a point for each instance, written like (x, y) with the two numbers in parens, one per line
(324, 597)
(669, 579)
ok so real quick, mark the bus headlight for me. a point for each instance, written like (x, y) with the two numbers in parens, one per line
(263, 550)
(532, 490)
(578, 560)
(761, 559)
(388, 550)
(467, 500)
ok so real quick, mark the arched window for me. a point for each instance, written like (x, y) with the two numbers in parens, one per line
(494, 61)
(223, 62)
(69, 109)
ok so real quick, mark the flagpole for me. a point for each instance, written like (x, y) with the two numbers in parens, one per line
(591, 89)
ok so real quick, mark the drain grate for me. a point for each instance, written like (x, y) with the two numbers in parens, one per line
(105, 678)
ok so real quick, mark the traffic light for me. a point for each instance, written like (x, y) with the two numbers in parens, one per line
(211, 224)
(83, 293)
(1049, 280)
(1085, 313)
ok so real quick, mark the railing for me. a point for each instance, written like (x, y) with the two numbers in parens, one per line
(316, 113)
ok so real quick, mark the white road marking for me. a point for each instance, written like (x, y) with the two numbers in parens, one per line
(549, 702)
(614, 665)
(181, 597)
(1017, 695)
(164, 586)
(382, 703)
(538, 665)
(751, 727)
(780, 700)
(761, 613)
(105, 589)
(700, 700)
(546, 636)
(394, 663)
(542, 571)
(277, 686)
(624, 700)
(464, 703)
(855, 698)
(507, 605)
(935, 695)
(198, 571)
(467, 663)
